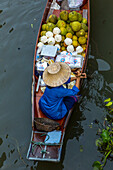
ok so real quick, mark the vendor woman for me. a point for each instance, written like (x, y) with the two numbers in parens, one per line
(57, 100)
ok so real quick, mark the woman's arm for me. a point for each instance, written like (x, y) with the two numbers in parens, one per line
(77, 84)
(81, 75)
(77, 78)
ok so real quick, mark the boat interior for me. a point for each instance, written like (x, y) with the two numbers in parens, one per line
(50, 152)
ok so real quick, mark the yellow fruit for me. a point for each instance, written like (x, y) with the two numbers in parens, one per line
(75, 43)
(50, 26)
(73, 16)
(77, 34)
(76, 26)
(63, 31)
(79, 17)
(53, 19)
(83, 45)
(83, 54)
(69, 29)
(44, 27)
(61, 23)
(86, 36)
(63, 48)
(80, 33)
(84, 20)
(64, 15)
(69, 35)
(84, 48)
(84, 26)
(43, 33)
(63, 38)
(82, 40)
(74, 37)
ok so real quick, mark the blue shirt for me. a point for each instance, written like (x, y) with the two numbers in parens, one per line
(51, 103)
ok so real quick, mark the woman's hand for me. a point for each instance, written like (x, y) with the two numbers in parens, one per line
(81, 75)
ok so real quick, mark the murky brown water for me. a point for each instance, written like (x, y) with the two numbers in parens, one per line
(17, 43)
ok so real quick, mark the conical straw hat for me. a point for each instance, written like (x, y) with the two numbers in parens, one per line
(56, 74)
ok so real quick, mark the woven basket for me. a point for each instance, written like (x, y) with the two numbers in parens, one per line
(45, 124)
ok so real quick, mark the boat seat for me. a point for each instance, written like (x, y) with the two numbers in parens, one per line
(39, 113)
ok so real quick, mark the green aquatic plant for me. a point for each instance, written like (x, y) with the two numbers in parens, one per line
(105, 140)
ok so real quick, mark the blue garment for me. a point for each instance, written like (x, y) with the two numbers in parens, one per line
(52, 103)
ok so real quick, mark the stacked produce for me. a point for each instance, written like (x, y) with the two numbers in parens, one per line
(67, 32)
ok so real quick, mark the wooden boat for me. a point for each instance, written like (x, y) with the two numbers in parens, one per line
(47, 146)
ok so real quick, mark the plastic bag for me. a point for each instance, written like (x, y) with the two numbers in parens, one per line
(75, 3)
(41, 66)
(72, 61)
(76, 62)
(63, 58)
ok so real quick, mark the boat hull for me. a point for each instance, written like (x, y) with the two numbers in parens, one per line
(41, 148)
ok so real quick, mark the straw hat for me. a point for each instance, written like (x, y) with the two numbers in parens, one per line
(56, 74)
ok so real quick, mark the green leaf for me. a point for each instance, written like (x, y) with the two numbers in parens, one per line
(111, 110)
(105, 136)
(107, 100)
(108, 104)
(109, 118)
(81, 148)
(97, 165)
(90, 126)
(31, 25)
(98, 142)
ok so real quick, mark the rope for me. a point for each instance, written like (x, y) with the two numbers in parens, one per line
(35, 144)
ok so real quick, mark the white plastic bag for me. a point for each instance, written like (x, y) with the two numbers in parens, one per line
(72, 61)
(76, 62)
(75, 3)
(41, 66)
(63, 58)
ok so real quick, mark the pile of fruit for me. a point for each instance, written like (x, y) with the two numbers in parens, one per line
(67, 32)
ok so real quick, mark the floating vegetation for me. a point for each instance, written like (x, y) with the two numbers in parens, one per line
(31, 25)
(105, 140)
